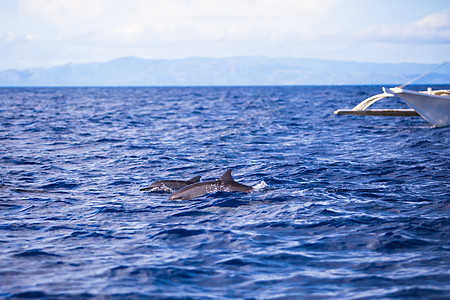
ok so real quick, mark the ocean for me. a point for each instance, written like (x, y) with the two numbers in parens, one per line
(347, 207)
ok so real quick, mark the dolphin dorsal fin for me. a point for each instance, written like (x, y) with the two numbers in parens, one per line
(194, 179)
(227, 176)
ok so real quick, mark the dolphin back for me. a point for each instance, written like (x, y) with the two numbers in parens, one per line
(194, 190)
(193, 179)
(227, 176)
(226, 183)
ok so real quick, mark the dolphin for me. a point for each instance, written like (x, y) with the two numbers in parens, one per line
(225, 183)
(170, 185)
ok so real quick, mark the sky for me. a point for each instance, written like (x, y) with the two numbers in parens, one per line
(46, 33)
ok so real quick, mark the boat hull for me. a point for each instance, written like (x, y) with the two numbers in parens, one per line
(433, 108)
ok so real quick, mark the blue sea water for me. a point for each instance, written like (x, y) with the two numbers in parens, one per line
(348, 207)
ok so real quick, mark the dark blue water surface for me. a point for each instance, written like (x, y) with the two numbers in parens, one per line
(347, 207)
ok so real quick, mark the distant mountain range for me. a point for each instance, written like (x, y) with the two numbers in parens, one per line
(133, 71)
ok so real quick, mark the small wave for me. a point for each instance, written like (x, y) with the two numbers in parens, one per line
(120, 182)
(42, 295)
(21, 189)
(111, 209)
(99, 235)
(21, 227)
(191, 213)
(389, 244)
(418, 293)
(106, 140)
(62, 185)
(235, 262)
(260, 186)
(225, 202)
(181, 232)
(35, 253)
(25, 162)
(30, 295)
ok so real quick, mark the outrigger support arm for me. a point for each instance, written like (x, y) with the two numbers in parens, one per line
(369, 101)
(361, 108)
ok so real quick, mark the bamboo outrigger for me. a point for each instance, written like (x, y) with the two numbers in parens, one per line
(433, 106)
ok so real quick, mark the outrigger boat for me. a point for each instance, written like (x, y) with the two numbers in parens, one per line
(433, 106)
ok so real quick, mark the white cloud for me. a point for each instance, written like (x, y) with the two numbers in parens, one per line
(11, 38)
(437, 21)
(62, 12)
(232, 19)
(130, 32)
(434, 28)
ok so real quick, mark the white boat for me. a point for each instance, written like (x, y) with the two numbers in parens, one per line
(433, 106)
